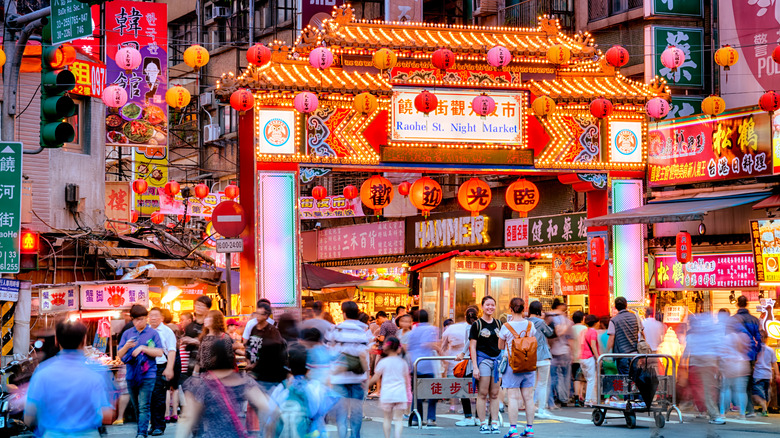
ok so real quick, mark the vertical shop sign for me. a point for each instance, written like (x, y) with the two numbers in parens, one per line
(404, 11)
(142, 122)
(753, 29)
(683, 107)
(118, 201)
(765, 235)
(690, 40)
(516, 233)
(570, 274)
(628, 243)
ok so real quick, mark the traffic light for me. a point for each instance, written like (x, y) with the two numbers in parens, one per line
(56, 106)
(28, 254)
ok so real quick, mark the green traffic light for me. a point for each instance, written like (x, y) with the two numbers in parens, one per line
(56, 82)
(53, 135)
(56, 106)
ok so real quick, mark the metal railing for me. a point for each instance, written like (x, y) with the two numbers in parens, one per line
(527, 12)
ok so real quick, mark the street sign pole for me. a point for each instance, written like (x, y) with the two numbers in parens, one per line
(229, 273)
(70, 20)
(10, 206)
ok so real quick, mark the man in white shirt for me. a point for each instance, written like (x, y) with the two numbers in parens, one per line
(654, 329)
(165, 364)
(253, 322)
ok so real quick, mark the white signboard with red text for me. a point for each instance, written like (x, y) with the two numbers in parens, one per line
(113, 296)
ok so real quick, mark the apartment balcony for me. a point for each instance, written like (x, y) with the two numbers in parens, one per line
(527, 13)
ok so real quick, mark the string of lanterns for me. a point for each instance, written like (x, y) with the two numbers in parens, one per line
(200, 191)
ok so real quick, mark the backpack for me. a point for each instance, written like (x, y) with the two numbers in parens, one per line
(522, 351)
(295, 420)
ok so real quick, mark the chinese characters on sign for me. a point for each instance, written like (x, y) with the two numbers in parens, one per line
(706, 271)
(364, 240)
(445, 388)
(90, 78)
(195, 207)
(495, 267)
(675, 314)
(690, 41)
(9, 289)
(10, 205)
(516, 233)
(454, 120)
(733, 145)
(329, 207)
(765, 236)
(570, 274)
(545, 230)
(113, 296)
(59, 299)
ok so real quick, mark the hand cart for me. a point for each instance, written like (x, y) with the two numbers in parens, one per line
(662, 401)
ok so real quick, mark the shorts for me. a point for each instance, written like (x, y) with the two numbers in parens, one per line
(761, 388)
(576, 372)
(486, 368)
(389, 407)
(518, 380)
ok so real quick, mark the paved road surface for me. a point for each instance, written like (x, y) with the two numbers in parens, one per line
(567, 422)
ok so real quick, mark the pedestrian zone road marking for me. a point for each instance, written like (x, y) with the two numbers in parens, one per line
(675, 418)
(460, 417)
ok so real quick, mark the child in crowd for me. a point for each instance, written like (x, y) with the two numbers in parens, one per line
(763, 373)
(393, 373)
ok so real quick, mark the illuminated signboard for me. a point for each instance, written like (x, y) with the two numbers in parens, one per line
(276, 131)
(454, 121)
(456, 230)
(766, 251)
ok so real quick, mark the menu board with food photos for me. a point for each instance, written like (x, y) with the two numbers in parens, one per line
(765, 235)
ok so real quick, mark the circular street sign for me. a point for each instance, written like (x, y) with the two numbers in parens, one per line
(228, 219)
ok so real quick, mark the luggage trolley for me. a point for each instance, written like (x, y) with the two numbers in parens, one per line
(659, 402)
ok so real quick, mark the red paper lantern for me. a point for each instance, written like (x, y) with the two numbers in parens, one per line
(134, 216)
(231, 191)
(769, 101)
(350, 192)
(522, 196)
(617, 56)
(140, 186)
(425, 102)
(776, 54)
(443, 59)
(404, 188)
(684, 247)
(601, 108)
(474, 195)
(319, 193)
(242, 100)
(597, 255)
(201, 191)
(425, 194)
(179, 218)
(376, 192)
(158, 217)
(171, 188)
(258, 54)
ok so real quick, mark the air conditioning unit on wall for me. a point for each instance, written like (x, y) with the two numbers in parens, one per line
(484, 8)
(211, 133)
(221, 12)
(206, 99)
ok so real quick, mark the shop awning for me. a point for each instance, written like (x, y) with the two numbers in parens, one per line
(770, 202)
(315, 277)
(676, 210)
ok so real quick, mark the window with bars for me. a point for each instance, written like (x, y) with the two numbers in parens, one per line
(369, 9)
(183, 35)
(599, 9)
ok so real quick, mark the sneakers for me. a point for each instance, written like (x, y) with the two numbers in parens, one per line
(512, 434)
(484, 429)
(431, 423)
(529, 432)
(751, 415)
(494, 428)
(543, 413)
(467, 422)
(764, 413)
(718, 420)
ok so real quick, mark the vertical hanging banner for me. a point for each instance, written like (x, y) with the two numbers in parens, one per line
(142, 122)
(118, 199)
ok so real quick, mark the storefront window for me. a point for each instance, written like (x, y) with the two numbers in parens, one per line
(504, 289)
(469, 289)
(429, 291)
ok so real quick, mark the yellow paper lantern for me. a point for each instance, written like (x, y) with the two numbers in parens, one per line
(543, 105)
(2, 58)
(726, 56)
(558, 54)
(365, 103)
(177, 97)
(385, 59)
(713, 105)
(196, 57)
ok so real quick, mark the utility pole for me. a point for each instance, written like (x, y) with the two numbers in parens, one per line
(14, 49)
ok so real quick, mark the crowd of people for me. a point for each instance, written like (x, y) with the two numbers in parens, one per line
(291, 378)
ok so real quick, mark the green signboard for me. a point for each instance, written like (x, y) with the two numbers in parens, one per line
(683, 106)
(70, 20)
(10, 206)
(691, 41)
(687, 8)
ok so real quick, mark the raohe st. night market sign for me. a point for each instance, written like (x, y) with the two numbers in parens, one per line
(733, 145)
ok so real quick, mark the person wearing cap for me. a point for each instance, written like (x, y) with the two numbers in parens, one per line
(232, 330)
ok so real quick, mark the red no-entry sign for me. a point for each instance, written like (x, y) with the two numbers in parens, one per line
(228, 219)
